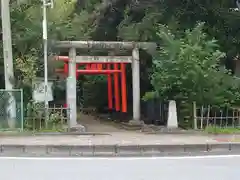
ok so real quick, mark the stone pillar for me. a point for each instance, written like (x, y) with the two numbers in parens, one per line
(172, 122)
(136, 85)
(71, 89)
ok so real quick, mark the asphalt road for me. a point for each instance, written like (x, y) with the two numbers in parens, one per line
(224, 167)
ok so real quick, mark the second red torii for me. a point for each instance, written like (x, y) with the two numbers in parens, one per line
(103, 68)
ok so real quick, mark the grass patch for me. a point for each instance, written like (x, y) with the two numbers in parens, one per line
(222, 130)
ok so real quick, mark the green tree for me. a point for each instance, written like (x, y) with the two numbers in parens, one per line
(127, 20)
(189, 68)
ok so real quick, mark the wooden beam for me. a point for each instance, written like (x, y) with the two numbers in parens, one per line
(98, 59)
(105, 45)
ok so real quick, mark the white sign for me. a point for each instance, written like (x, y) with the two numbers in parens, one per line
(38, 91)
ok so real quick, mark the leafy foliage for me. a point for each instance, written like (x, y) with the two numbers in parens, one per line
(188, 68)
(27, 69)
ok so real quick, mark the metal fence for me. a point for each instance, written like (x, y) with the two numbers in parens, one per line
(35, 119)
(11, 109)
(205, 116)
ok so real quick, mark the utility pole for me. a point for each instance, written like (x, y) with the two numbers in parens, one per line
(8, 60)
(45, 54)
(46, 3)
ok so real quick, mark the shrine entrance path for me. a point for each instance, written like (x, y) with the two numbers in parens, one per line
(92, 124)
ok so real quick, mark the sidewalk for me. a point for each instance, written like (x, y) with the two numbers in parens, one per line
(121, 143)
(118, 138)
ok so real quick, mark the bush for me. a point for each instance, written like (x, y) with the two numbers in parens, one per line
(187, 68)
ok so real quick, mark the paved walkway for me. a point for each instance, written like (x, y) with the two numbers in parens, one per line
(118, 138)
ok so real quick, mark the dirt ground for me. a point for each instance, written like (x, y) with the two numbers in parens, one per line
(106, 125)
(92, 124)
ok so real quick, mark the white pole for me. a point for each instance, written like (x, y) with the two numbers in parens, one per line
(136, 85)
(44, 26)
(71, 89)
(194, 116)
(8, 61)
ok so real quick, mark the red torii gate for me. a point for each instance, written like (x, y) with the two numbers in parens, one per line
(106, 68)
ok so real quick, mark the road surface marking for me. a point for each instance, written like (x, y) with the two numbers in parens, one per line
(121, 158)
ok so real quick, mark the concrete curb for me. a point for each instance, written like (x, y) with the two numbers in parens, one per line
(29, 134)
(70, 134)
(113, 150)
